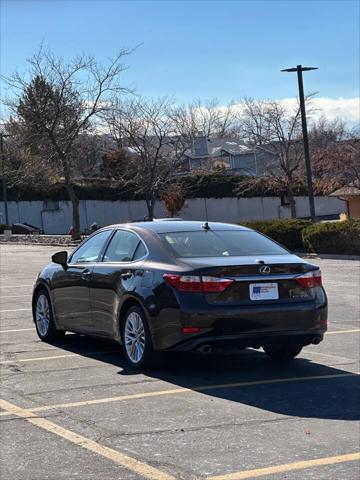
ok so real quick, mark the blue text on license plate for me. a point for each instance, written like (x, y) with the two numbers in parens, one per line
(264, 291)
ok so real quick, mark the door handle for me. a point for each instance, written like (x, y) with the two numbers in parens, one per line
(86, 274)
(126, 275)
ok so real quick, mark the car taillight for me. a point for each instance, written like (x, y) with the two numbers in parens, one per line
(310, 279)
(214, 284)
(195, 283)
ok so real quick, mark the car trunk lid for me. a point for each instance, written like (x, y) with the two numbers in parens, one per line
(263, 280)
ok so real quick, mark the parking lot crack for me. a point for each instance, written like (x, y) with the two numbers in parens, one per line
(182, 430)
(90, 387)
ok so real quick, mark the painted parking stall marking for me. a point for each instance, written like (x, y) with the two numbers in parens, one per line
(55, 357)
(288, 467)
(16, 286)
(146, 470)
(335, 332)
(177, 391)
(115, 456)
(18, 330)
(19, 296)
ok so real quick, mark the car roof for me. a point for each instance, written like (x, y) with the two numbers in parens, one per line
(180, 226)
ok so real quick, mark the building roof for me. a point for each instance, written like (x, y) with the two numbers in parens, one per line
(346, 191)
(216, 146)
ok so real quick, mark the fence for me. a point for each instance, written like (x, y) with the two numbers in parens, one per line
(54, 217)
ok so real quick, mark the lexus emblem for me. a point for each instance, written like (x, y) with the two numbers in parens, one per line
(264, 269)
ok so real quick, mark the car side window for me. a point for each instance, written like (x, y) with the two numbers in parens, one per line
(90, 250)
(140, 251)
(124, 247)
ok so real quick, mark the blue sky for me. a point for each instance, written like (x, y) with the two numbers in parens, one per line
(191, 49)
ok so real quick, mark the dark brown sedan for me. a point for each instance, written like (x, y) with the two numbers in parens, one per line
(177, 285)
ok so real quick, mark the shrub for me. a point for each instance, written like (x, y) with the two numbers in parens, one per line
(286, 232)
(173, 199)
(333, 237)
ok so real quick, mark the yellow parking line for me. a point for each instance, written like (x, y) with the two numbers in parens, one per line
(335, 332)
(16, 310)
(175, 391)
(15, 286)
(17, 330)
(338, 357)
(288, 467)
(115, 456)
(16, 296)
(54, 357)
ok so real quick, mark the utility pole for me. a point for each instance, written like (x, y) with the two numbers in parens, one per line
(4, 187)
(299, 69)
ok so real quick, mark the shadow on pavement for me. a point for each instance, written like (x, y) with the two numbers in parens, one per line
(335, 398)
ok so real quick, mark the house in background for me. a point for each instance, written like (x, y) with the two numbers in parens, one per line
(204, 155)
(227, 153)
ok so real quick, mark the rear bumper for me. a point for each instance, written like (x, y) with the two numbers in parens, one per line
(226, 342)
(246, 326)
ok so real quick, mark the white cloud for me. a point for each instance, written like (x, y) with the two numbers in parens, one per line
(346, 109)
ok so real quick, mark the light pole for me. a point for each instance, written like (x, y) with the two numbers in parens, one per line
(299, 69)
(4, 188)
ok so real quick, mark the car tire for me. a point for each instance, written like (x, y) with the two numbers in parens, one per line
(137, 341)
(282, 352)
(43, 318)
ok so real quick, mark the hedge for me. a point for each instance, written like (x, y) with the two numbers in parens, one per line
(333, 237)
(286, 232)
(213, 185)
(302, 235)
(91, 191)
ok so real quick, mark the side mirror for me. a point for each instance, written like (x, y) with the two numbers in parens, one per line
(60, 258)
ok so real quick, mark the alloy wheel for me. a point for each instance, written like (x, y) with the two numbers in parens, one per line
(42, 314)
(134, 336)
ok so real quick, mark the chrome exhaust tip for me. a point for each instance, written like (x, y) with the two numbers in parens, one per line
(205, 349)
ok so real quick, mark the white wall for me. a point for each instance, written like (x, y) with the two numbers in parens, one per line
(107, 212)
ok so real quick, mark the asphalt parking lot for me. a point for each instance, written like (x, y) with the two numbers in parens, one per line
(76, 411)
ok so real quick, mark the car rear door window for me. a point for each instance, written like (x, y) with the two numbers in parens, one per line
(124, 247)
(90, 250)
(140, 251)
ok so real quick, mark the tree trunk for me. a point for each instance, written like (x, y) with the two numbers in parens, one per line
(150, 203)
(292, 204)
(75, 212)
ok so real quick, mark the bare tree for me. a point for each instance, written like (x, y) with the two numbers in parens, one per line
(335, 152)
(254, 120)
(147, 130)
(325, 133)
(210, 118)
(56, 103)
(269, 125)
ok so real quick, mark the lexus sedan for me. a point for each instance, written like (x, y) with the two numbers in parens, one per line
(182, 286)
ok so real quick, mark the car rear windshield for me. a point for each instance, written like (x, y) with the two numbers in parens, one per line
(224, 243)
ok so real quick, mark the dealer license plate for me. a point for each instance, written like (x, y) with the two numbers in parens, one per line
(264, 291)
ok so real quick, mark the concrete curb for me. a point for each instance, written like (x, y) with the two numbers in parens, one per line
(46, 240)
